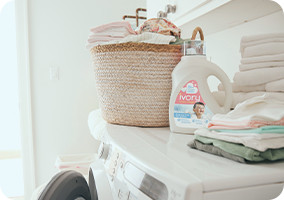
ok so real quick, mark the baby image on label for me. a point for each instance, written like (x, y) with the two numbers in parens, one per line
(190, 110)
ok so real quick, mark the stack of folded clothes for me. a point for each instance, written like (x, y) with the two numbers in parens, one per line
(106, 33)
(253, 132)
(154, 31)
(261, 68)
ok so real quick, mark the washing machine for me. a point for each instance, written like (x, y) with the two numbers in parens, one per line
(155, 164)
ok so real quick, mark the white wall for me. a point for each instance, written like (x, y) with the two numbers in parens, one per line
(223, 46)
(58, 31)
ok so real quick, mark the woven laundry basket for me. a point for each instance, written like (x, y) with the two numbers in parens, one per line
(134, 82)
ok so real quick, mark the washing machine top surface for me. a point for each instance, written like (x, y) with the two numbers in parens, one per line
(166, 154)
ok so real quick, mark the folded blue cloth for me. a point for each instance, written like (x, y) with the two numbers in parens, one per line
(261, 130)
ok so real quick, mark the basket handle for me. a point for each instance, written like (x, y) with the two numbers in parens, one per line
(197, 29)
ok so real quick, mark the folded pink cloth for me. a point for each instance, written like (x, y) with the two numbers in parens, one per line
(252, 113)
(114, 25)
(244, 124)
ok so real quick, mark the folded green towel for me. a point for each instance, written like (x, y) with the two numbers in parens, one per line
(243, 151)
(261, 130)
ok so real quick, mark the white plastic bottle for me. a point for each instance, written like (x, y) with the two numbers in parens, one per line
(189, 85)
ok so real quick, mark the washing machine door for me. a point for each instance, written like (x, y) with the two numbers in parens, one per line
(71, 185)
(67, 185)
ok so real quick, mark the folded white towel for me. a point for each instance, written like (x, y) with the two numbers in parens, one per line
(102, 42)
(258, 144)
(264, 36)
(259, 76)
(263, 49)
(259, 59)
(116, 35)
(239, 97)
(245, 67)
(102, 38)
(275, 86)
(147, 37)
(243, 88)
(244, 45)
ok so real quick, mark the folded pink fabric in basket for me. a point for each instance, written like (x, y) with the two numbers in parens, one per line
(111, 26)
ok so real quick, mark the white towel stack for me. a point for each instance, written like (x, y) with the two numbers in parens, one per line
(261, 68)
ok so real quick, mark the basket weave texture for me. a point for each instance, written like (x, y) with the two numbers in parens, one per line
(134, 82)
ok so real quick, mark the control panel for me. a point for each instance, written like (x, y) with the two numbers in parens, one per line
(129, 182)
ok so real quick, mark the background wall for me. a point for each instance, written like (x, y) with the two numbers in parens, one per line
(223, 47)
(58, 31)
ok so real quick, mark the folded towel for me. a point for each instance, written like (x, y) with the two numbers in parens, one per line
(102, 42)
(275, 86)
(252, 113)
(247, 153)
(258, 76)
(259, 145)
(210, 148)
(263, 49)
(112, 32)
(239, 97)
(109, 34)
(245, 67)
(263, 132)
(102, 38)
(259, 59)
(121, 25)
(148, 37)
(243, 88)
(244, 45)
(260, 37)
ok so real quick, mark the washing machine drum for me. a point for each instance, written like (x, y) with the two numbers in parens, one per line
(68, 185)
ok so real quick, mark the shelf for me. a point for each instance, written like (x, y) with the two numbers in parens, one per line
(217, 15)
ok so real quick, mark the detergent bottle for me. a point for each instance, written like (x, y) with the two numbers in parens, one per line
(192, 104)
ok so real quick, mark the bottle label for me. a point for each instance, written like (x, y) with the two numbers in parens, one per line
(190, 111)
